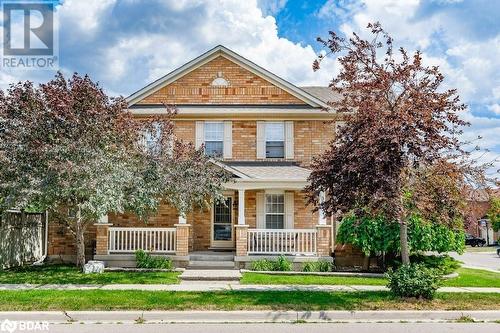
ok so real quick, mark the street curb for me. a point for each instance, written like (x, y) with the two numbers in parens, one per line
(164, 317)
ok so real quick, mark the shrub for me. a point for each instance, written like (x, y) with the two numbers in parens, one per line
(281, 265)
(414, 280)
(318, 266)
(444, 264)
(262, 265)
(145, 260)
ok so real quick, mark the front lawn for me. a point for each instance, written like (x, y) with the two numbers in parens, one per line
(64, 274)
(258, 278)
(58, 300)
(467, 278)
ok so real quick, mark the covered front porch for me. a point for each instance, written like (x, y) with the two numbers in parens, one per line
(264, 215)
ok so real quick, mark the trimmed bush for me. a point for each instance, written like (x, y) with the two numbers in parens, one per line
(283, 265)
(145, 260)
(317, 266)
(262, 265)
(414, 280)
(280, 265)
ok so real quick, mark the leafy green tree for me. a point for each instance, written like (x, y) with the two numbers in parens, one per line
(493, 213)
(399, 124)
(375, 235)
(68, 148)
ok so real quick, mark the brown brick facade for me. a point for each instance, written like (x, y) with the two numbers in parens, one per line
(244, 87)
(200, 221)
(311, 137)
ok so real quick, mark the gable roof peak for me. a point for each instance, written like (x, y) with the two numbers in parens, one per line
(213, 53)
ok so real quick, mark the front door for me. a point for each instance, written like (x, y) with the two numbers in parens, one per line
(222, 223)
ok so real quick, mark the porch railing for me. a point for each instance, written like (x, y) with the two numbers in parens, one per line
(155, 240)
(282, 241)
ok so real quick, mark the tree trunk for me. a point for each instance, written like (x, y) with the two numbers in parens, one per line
(403, 239)
(80, 242)
(366, 263)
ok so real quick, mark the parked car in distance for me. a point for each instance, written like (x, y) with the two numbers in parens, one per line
(474, 241)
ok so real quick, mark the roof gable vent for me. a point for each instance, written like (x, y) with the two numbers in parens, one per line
(220, 81)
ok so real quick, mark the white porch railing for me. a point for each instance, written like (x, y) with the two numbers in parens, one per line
(282, 241)
(157, 240)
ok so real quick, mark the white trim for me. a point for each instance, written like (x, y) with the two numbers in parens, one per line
(261, 139)
(289, 140)
(199, 134)
(228, 139)
(229, 112)
(241, 207)
(267, 185)
(260, 210)
(232, 56)
(269, 191)
(289, 209)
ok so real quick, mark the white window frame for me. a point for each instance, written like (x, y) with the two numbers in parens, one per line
(268, 136)
(220, 136)
(266, 213)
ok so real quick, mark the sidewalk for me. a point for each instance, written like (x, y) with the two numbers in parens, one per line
(225, 286)
(151, 317)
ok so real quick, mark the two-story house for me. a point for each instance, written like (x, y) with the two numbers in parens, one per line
(265, 131)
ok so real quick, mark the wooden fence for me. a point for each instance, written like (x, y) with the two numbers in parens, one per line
(22, 238)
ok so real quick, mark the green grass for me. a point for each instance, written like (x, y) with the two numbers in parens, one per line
(44, 300)
(64, 274)
(467, 278)
(257, 278)
(474, 278)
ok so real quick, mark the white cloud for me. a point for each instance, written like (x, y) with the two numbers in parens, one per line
(271, 7)
(495, 108)
(235, 24)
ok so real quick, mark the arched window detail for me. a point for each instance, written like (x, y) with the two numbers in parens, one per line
(220, 81)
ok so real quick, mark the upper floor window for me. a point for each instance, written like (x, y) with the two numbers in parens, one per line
(275, 211)
(152, 137)
(275, 140)
(214, 139)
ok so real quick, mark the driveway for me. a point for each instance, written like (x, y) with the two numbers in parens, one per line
(484, 259)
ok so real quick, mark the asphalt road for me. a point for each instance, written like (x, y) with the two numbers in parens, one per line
(489, 260)
(278, 328)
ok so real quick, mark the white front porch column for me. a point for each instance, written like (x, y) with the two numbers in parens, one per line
(241, 207)
(182, 219)
(321, 214)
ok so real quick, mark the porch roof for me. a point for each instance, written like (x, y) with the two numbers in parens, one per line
(266, 174)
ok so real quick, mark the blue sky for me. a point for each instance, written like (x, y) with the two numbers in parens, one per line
(124, 44)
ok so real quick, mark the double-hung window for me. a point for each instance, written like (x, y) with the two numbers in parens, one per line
(275, 211)
(275, 140)
(214, 139)
(152, 138)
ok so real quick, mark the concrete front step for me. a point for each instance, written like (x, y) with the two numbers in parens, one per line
(211, 264)
(210, 275)
(211, 257)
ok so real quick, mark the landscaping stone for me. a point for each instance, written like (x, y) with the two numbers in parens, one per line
(93, 266)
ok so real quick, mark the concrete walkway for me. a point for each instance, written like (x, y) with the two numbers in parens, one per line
(225, 286)
(150, 317)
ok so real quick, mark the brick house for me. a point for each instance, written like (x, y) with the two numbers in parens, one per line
(266, 132)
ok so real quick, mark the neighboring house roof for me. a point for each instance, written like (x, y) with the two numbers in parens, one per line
(326, 94)
(217, 51)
